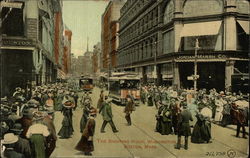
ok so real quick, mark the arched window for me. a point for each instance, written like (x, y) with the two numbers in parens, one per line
(243, 6)
(202, 7)
(169, 12)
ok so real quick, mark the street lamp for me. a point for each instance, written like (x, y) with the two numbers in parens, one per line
(195, 77)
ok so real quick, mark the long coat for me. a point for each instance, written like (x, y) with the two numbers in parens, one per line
(67, 128)
(164, 124)
(10, 153)
(51, 139)
(84, 118)
(100, 101)
(23, 146)
(26, 122)
(86, 142)
(201, 131)
(106, 112)
(183, 123)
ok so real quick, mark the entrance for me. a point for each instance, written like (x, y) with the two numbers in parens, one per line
(211, 75)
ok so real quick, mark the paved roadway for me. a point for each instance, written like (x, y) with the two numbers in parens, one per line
(140, 140)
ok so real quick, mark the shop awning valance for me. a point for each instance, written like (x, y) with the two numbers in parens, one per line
(244, 25)
(201, 29)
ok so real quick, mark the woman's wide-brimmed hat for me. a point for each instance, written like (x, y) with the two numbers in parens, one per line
(93, 111)
(37, 115)
(9, 138)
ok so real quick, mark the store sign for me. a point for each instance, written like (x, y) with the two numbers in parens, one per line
(219, 56)
(17, 42)
(11, 4)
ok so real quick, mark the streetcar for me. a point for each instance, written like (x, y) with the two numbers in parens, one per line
(121, 85)
(86, 84)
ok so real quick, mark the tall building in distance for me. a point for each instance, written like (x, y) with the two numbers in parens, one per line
(109, 36)
(157, 40)
(87, 61)
(96, 59)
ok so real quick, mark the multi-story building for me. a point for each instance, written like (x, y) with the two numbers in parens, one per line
(27, 42)
(109, 37)
(158, 37)
(67, 50)
(96, 58)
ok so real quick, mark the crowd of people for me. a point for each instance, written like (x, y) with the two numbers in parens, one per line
(177, 108)
(27, 121)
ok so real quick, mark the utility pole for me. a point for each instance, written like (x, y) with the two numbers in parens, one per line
(155, 65)
(195, 77)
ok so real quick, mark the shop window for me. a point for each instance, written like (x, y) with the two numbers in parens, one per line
(168, 44)
(169, 12)
(205, 42)
(167, 69)
(202, 7)
(243, 6)
(12, 24)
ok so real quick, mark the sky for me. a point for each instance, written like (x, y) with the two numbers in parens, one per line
(83, 18)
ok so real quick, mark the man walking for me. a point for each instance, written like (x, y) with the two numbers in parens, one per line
(183, 126)
(128, 110)
(106, 112)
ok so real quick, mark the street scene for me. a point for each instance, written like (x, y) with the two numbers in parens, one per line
(124, 78)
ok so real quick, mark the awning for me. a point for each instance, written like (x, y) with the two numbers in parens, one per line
(244, 25)
(201, 29)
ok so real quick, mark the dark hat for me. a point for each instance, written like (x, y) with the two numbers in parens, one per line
(17, 128)
(183, 104)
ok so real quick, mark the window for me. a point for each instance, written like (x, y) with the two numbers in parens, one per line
(205, 42)
(12, 24)
(243, 6)
(168, 42)
(169, 12)
(202, 7)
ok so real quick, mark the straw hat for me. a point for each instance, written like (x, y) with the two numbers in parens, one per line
(9, 138)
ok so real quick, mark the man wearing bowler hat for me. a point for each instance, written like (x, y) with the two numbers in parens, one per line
(22, 145)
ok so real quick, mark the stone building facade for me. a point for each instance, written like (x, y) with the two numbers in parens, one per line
(157, 40)
(109, 37)
(27, 44)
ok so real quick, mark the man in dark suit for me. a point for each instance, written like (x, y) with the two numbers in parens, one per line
(22, 145)
(106, 112)
(9, 142)
(183, 125)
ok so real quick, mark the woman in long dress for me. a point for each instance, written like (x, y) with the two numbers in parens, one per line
(86, 144)
(202, 129)
(67, 128)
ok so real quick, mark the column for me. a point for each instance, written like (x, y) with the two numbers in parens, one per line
(31, 14)
(229, 70)
(230, 26)
(178, 14)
